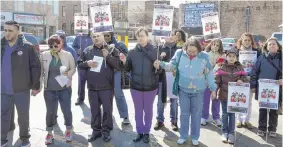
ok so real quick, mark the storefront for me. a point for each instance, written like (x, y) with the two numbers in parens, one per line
(31, 23)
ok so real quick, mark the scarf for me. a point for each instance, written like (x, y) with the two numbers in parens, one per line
(243, 48)
(180, 43)
(55, 55)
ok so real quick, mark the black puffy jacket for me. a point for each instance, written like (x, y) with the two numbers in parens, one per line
(140, 63)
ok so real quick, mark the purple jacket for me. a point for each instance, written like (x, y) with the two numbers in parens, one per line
(104, 79)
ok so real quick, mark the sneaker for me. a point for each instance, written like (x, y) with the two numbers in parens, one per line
(25, 143)
(218, 122)
(181, 141)
(260, 133)
(146, 138)
(239, 125)
(68, 136)
(248, 125)
(158, 125)
(231, 139)
(174, 126)
(272, 134)
(195, 142)
(224, 137)
(126, 121)
(203, 121)
(49, 139)
(4, 143)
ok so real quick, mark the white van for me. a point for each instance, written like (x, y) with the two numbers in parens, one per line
(278, 35)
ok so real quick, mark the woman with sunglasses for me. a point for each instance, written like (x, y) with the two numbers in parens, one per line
(52, 63)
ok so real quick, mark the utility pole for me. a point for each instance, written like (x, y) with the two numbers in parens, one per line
(248, 14)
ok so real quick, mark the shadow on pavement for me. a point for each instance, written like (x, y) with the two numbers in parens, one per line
(277, 141)
(87, 114)
(242, 141)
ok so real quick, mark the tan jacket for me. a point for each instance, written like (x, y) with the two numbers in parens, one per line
(66, 59)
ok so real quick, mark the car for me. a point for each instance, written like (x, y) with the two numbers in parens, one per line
(278, 35)
(70, 40)
(32, 39)
(228, 43)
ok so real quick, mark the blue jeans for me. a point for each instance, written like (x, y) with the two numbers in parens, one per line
(191, 107)
(228, 120)
(161, 106)
(119, 96)
(22, 102)
(51, 101)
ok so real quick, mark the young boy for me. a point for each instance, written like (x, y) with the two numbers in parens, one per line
(231, 71)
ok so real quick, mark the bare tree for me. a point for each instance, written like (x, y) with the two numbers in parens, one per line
(47, 12)
(141, 16)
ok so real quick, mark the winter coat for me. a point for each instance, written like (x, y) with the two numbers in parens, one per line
(228, 73)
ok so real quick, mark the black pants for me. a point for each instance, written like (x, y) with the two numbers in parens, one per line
(96, 99)
(262, 121)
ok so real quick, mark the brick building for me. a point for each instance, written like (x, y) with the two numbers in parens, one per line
(66, 15)
(37, 17)
(265, 17)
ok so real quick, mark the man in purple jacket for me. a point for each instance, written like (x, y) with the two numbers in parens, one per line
(99, 64)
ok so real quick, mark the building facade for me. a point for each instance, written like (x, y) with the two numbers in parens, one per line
(237, 17)
(67, 9)
(34, 16)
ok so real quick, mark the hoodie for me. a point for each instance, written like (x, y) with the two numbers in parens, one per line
(67, 48)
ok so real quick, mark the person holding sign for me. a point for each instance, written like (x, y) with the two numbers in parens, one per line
(215, 51)
(194, 70)
(144, 82)
(99, 64)
(268, 66)
(58, 67)
(118, 91)
(231, 71)
(167, 78)
(244, 44)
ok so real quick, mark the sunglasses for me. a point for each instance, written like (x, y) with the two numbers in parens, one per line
(106, 35)
(54, 46)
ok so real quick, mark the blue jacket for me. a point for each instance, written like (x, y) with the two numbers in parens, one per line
(72, 51)
(194, 74)
(264, 70)
(82, 41)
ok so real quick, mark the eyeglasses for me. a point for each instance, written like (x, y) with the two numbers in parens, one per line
(97, 36)
(54, 46)
(107, 35)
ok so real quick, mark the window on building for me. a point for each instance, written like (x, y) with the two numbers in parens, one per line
(75, 8)
(64, 27)
(63, 11)
(55, 8)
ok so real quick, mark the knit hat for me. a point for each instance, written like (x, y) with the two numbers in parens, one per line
(232, 51)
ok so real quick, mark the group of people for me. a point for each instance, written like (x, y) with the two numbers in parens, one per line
(178, 69)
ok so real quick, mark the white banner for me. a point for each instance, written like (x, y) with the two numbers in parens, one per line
(81, 21)
(101, 17)
(162, 20)
(210, 23)
(238, 97)
(247, 59)
(268, 94)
